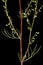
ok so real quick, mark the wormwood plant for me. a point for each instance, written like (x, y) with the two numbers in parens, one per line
(31, 8)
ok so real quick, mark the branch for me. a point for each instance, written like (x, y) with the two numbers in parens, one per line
(28, 6)
(33, 54)
(35, 14)
(9, 18)
(8, 35)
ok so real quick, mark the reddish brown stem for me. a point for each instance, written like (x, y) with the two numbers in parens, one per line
(20, 31)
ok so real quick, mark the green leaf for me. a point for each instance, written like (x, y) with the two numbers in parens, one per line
(33, 38)
(28, 21)
(4, 0)
(34, 1)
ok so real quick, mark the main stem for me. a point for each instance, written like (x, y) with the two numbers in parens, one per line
(20, 31)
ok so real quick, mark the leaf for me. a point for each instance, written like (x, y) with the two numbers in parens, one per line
(4, 7)
(32, 9)
(37, 33)
(19, 56)
(40, 8)
(29, 28)
(8, 24)
(28, 21)
(24, 57)
(34, 50)
(33, 38)
(37, 51)
(4, 0)
(35, 16)
(34, 1)
(24, 15)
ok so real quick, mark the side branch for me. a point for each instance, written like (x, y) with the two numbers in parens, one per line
(11, 26)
